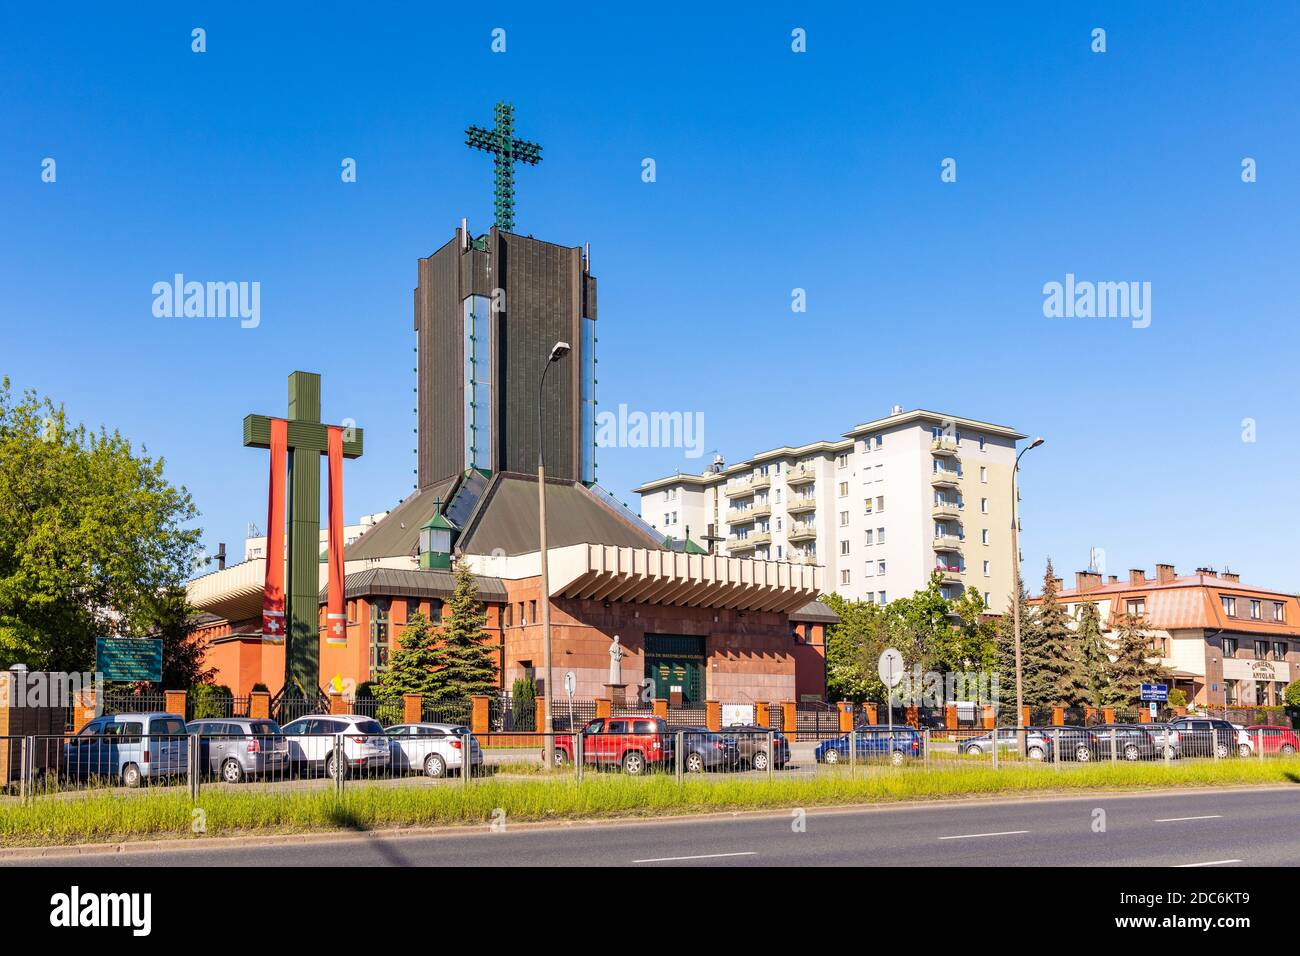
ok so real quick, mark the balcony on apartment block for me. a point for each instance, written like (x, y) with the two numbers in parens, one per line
(803, 557)
(801, 531)
(801, 474)
(948, 542)
(951, 573)
(945, 447)
(946, 509)
(737, 544)
(945, 478)
(801, 503)
(741, 515)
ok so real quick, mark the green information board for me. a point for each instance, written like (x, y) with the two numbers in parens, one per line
(129, 658)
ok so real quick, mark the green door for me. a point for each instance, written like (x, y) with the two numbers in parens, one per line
(665, 673)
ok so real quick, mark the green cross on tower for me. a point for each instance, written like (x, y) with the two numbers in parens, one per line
(307, 440)
(501, 143)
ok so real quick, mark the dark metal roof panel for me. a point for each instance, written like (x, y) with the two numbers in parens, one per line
(814, 612)
(398, 534)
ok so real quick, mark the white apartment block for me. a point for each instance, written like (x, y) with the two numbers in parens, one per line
(880, 508)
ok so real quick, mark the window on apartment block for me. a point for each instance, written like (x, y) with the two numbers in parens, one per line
(844, 576)
(880, 502)
(880, 536)
(869, 536)
(1229, 605)
(844, 547)
(984, 506)
(867, 506)
(986, 569)
(841, 461)
(1279, 611)
(844, 519)
(844, 489)
(986, 599)
(1137, 607)
(1256, 610)
(984, 536)
(870, 571)
(880, 566)
(880, 473)
(981, 442)
(881, 598)
(1261, 650)
(532, 610)
(1229, 647)
(984, 474)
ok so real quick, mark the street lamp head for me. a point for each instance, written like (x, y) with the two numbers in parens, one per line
(562, 349)
(1036, 442)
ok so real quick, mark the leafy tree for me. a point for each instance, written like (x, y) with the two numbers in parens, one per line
(1135, 662)
(849, 645)
(1090, 645)
(93, 539)
(921, 628)
(411, 668)
(1292, 694)
(465, 663)
(977, 633)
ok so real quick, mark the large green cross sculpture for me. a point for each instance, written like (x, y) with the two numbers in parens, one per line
(307, 440)
(501, 143)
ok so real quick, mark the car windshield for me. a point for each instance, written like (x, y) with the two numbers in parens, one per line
(369, 727)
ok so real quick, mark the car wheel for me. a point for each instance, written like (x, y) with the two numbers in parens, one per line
(1287, 750)
(332, 770)
(1131, 752)
(231, 771)
(1222, 751)
(1036, 753)
(831, 756)
(1082, 754)
(131, 775)
(633, 763)
(896, 758)
(760, 760)
(694, 763)
(560, 758)
(974, 751)
(435, 766)
(1244, 750)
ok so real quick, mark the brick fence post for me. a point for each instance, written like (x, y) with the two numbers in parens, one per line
(846, 715)
(259, 705)
(789, 716)
(1024, 716)
(950, 716)
(480, 714)
(713, 714)
(1058, 716)
(175, 702)
(1088, 714)
(762, 714)
(990, 721)
(913, 717)
(338, 704)
(412, 708)
(539, 704)
(1108, 714)
(604, 707)
(84, 710)
(661, 707)
(872, 710)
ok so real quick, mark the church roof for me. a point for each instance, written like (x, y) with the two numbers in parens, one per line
(505, 521)
(398, 533)
(399, 582)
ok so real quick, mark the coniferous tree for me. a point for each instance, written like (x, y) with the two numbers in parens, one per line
(465, 664)
(1094, 655)
(1006, 657)
(410, 670)
(1135, 662)
(1057, 668)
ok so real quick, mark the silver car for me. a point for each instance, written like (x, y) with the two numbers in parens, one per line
(1037, 745)
(431, 749)
(236, 748)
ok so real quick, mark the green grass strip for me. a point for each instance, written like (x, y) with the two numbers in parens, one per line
(112, 816)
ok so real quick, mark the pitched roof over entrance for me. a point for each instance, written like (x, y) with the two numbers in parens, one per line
(398, 533)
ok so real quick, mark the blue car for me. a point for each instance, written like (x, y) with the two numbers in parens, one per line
(874, 741)
(128, 749)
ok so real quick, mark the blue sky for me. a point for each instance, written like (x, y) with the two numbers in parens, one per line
(775, 170)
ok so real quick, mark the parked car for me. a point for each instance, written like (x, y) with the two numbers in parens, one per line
(1209, 737)
(751, 746)
(1135, 741)
(1275, 738)
(704, 749)
(872, 741)
(311, 743)
(432, 749)
(129, 748)
(1079, 744)
(637, 744)
(238, 747)
(1038, 746)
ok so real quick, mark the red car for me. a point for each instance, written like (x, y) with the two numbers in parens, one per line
(634, 743)
(1277, 739)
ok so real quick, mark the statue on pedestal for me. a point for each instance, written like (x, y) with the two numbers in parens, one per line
(616, 689)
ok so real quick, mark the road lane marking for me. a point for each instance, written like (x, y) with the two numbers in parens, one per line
(971, 836)
(1208, 816)
(702, 856)
(1183, 866)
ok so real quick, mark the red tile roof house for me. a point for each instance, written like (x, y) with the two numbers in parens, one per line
(1227, 643)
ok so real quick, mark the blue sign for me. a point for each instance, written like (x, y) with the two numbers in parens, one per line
(129, 658)
(1155, 692)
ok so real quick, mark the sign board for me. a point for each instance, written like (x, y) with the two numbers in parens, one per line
(1155, 692)
(737, 715)
(1154, 710)
(570, 683)
(129, 658)
(890, 667)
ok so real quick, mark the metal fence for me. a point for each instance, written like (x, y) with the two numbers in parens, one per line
(325, 751)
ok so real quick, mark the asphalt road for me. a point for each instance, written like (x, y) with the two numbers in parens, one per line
(1222, 828)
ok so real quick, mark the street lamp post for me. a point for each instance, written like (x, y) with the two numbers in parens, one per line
(1015, 596)
(560, 350)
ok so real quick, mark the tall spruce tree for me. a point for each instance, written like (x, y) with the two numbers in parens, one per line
(1058, 676)
(1006, 651)
(464, 662)
(411, 668)
(1094, 655)
(1135, 664)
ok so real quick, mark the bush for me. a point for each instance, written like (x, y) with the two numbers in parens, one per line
(524, 688)
(1292, 694)
(210, 700)
(1177, 698)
